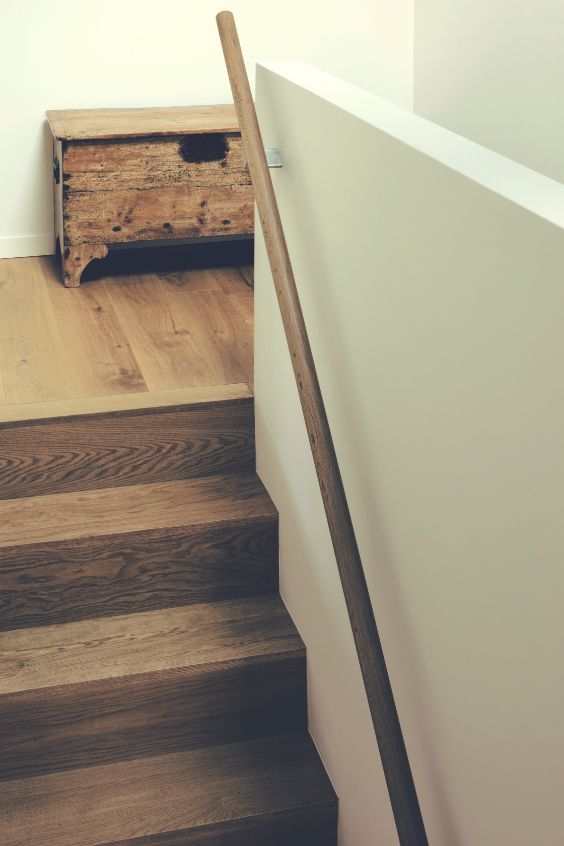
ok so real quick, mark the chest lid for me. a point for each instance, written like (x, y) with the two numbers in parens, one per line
(95, 124)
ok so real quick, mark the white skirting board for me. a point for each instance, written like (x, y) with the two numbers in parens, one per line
(18, 246)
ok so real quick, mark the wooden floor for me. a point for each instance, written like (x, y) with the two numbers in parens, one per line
(142, 321)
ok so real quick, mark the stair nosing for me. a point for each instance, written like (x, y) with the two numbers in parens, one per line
(196, 668)
(189, 524)
(199, 663)
(54, 411)
(263, 508)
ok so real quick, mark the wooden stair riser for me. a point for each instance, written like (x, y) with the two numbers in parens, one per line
(108, 720)
(81, 578)
(124, 448)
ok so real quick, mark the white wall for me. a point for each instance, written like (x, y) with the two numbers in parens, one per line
(493, 71)
(141, 53)
(430, 272)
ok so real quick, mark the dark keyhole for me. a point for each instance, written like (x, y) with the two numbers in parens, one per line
(211, 147)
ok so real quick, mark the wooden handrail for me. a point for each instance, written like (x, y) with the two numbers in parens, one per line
(403, 797)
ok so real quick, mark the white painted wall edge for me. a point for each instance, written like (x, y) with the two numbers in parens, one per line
(19, 246)
(433, 306)
(519, 184)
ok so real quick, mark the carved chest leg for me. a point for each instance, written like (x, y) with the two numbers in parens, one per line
(76, 258)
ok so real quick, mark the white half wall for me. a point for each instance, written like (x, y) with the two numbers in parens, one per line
(493, 70)
(138, 53)
(430, 271)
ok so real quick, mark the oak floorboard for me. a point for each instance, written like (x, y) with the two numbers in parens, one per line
(247, 272)
(96, 346)
(233, 280)
(117, 334)
(3, 401)
(169, 345)
(241, 309)
(214, 323)
(189, 281)
(32, 355)
(251, 788)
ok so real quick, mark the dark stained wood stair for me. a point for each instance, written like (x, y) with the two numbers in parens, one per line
(125, 446)
(108, 551)
(272, 792)
(152, 683)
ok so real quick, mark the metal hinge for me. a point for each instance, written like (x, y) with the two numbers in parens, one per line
(273, 157)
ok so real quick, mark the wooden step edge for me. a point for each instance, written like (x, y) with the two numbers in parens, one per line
(168, 640)
(208, 792)
(309, 824)
(132, 509)
(98, 685)
(85, 407)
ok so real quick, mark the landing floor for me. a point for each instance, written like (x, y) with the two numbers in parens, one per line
(142, 321)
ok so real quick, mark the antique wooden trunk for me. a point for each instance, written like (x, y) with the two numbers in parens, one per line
(144, 175)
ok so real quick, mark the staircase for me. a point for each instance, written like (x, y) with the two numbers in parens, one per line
(152, 683)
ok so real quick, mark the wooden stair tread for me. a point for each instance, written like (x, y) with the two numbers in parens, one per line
(131, 508)
(142, 800)
(227, 632)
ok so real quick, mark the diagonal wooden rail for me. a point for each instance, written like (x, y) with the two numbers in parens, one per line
(403, 797)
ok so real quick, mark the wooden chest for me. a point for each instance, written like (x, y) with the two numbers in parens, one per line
(144, 175)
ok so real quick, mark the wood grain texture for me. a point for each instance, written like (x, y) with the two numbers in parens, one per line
(97, 353)
(67, 580)
(235, 280)
(247, 272)
(2, 393)
(132, 508)
(123, 215)
(310, 825)
(145, 184)
(149, 163)
(76, 256)
(95, 723)
(111, 450)
(241, 310)
(116, 404)
(32, 358)
(227, 794)
(190, 281)
(84, 124)
(144, 684)
(180, 340)
(120, 333)
(397, 770)
(153, 641)
(228, 325)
